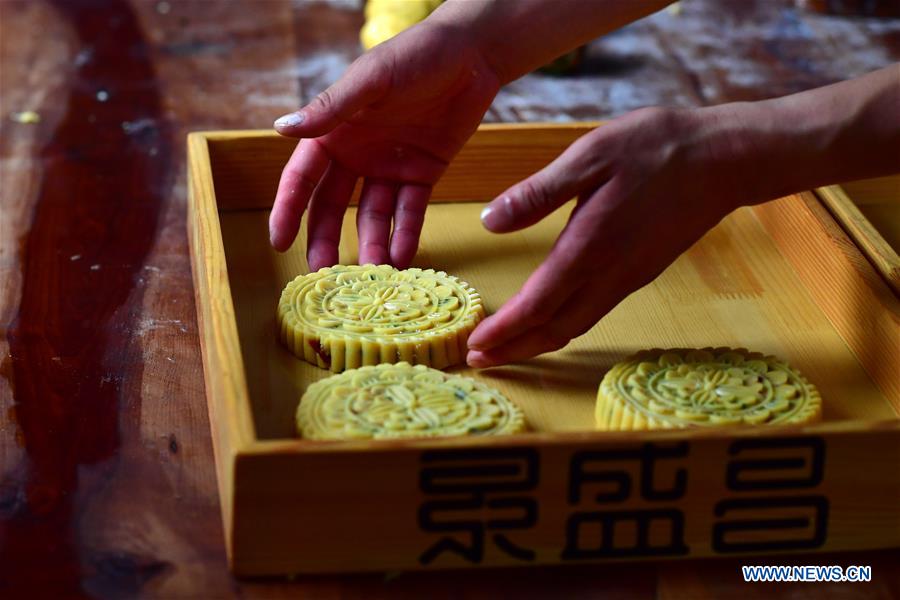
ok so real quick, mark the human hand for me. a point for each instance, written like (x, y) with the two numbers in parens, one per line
(648, 185)
(395, 118)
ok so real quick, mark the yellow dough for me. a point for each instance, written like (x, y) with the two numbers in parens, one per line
(401, 401)
(664, 389)
(408, 10)
(387, 18)
(381, 28)
(344, 317)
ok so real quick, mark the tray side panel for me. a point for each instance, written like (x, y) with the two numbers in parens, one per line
(294, 507)
(878, 199)
(247, 165)
(226, 390)
(857, 301)
(580, 501)
(883, 257)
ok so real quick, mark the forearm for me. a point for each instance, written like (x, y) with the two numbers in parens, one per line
(517, 36)
(841, 132)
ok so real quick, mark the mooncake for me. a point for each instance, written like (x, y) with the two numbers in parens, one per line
(665, 389)
(345, 317)
(402, 401)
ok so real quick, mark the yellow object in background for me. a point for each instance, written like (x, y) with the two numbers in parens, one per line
(387, 18)
(666, 389)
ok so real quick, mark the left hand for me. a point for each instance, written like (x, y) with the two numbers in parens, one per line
(648, 185)
(396, 118)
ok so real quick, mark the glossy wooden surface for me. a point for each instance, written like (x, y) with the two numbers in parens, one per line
(107, 487)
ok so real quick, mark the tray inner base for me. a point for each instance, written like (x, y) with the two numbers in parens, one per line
(733, 288)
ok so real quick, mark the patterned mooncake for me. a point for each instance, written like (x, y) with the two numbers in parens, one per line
(345, 317)
(664, 389)
(403, 401)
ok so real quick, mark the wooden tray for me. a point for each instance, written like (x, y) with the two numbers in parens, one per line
(782, 278)
(869, 211)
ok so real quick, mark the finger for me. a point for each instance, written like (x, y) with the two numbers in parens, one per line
(550, 285)
(614, 267)
(412, 200)
(538, 300)
(583, 242)
(373, 221)
(364, 82)
(299, 179)
(576, 316)
(326, 215)
(532, 199)
(532, 343)
(533, 307)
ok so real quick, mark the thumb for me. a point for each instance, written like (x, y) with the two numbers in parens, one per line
(363, 83)
(578, 168)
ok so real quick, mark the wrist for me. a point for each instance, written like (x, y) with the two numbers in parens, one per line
(518, 36)
(478, 24)
(758, 151)
(719, 152)
(781, 146)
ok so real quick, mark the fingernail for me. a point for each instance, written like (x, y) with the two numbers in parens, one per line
(476, 360)
(498, 215)
(476, 345)
(475, 341)
(289, 120)
(276, 242)
(490, 218)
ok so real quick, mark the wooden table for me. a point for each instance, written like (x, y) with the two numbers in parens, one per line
(107, 487)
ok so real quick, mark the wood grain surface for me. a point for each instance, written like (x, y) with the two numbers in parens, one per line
(869, 210)
(107, 485)
(782, 277)
(733, 288)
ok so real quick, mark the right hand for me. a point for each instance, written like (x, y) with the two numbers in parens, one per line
(648, 185)
(396, 118)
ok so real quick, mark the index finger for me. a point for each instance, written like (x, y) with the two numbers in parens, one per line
(412, 200)
(539, 299)
(298, 180)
